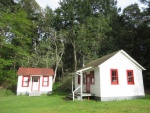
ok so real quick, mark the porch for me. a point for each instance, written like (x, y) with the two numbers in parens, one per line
(78, 93)
(77, 96)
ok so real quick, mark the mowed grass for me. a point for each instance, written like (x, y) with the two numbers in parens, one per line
(56, 104)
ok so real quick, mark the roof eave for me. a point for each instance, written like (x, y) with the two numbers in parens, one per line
(84, 69)
(136, 63)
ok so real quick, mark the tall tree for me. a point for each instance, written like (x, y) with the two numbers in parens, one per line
(15, 37)
(85, 22)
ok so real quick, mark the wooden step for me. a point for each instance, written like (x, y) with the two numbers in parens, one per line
(76, 97)
(35, 93)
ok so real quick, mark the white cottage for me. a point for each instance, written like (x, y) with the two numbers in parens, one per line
(116, 76)
(34, 81)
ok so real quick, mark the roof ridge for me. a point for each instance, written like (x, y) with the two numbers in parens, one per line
(100, 60)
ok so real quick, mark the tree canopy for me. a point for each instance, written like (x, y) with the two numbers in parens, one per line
(75, 33)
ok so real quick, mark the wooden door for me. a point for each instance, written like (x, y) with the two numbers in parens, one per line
(88, 83)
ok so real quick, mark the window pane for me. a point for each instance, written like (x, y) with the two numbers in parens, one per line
(35, 79)
(113, 73)
(45, 83)
(45, 78)
(25, 78)
(92, 77)
(25, 83)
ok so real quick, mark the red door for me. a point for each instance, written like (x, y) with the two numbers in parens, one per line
(88, 83)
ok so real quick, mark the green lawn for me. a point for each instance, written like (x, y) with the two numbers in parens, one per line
(56, 104)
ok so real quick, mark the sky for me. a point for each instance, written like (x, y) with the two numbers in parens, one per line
(54, 3)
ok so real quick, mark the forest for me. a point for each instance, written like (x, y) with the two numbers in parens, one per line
(75, 33)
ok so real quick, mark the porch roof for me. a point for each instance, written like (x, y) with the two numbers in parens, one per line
(35, 71)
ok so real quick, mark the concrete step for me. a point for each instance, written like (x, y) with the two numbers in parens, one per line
(35, 93)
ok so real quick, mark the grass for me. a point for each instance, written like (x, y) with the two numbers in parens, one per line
(56, 104)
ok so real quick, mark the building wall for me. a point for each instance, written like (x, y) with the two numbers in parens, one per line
(122, 90)
(27, 90)
(23, 90)
(45, 90)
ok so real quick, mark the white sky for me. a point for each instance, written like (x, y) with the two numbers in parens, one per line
(54, 3)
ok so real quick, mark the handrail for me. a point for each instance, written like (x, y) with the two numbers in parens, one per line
(75, 91)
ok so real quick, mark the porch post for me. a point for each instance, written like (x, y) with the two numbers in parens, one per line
(81, 83)
(72, 81)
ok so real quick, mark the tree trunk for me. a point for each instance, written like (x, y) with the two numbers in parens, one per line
(55, 74)
(58, 58)
(75, 56)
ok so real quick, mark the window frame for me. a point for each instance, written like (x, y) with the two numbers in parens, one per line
(132, 76)
(23, 80)
(47, 82)
(117, 78)
(92, 75)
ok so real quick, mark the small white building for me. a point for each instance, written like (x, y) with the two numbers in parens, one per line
(116, 76)
(34, 81)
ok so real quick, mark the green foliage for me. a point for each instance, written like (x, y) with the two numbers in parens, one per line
(64, 86)
(75, 33)
(15, 42)
(5, 92)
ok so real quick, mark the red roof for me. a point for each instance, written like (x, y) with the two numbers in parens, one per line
(35, 71)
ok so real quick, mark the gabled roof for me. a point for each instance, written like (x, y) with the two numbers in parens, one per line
(97, 62)
(35, 71)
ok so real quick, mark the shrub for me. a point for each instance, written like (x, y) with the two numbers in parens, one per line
(5, 92)
(65, 85)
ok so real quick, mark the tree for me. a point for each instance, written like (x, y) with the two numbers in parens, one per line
(15, 42)
(85, 23)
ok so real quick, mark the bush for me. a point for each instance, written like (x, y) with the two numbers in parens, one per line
(65, 85)
(5, 92)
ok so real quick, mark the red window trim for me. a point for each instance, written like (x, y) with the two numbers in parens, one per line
(24, 76)
(117, 82)
(130, 83)
(79, 79)
(47, 84)
(92, 76)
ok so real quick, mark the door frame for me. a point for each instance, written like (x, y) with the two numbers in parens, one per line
(38, 83)
(88, 79)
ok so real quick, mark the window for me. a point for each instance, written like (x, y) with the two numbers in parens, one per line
(45, 81)
(130, 77)
(84, 78)
(78, 79)
(25, 81)
(114, 76)
(35, 79)
(92, 77)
